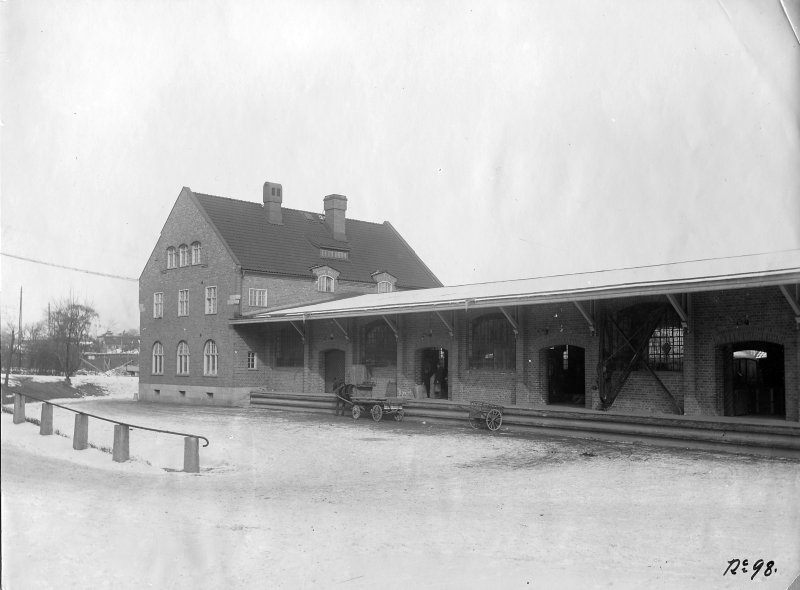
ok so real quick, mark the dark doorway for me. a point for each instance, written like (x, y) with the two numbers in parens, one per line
(565, 371)
(334, 369)
(434, 372)
(754, 379)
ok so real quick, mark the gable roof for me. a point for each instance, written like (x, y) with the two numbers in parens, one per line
(293, 248)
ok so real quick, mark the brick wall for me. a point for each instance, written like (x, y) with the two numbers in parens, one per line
(185, 225)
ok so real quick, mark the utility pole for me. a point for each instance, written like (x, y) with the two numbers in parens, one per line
(19, 330)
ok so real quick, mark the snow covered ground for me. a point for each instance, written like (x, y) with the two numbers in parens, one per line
(293, 501)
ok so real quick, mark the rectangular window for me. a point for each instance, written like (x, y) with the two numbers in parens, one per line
(251, 360)
(258, 298)
(183, 302)
(336, 254)
(211, 300)
(158, 305)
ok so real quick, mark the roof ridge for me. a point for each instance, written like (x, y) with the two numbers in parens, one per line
(283, 207)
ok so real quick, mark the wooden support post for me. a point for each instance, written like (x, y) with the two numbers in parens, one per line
(191, 454)
(19, 408)
(46, 423)
(80, 437)
(122, 447)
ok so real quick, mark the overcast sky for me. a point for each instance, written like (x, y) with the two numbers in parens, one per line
(503, 139)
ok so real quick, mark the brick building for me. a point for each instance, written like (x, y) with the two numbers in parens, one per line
(299, 300)
(219, 259)
(708, 338)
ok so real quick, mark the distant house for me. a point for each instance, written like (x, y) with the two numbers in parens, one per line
(221, 259)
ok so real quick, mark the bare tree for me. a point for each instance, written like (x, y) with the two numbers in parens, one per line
(71, 322)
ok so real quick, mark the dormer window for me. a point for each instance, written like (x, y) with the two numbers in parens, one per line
(386, 282)
(196, 253)
(172, 258)
(325, 284)
(326, 278)
(183, 255)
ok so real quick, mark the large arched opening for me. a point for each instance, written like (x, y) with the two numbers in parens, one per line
(753, 379)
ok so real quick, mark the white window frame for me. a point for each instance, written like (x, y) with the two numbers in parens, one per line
(322, 284)
(172, 257)
(210, 359)
(196, 253)
(385, 287)
(157, 367)
(183, 302)
(255, 295)
(182, 366)
(211, 300)
(158, 305)
(183, 255)
(252, 362)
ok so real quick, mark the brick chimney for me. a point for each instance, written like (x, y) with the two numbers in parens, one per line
(335, 206)
(273, 197)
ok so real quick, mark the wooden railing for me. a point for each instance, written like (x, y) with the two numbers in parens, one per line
(121, 451)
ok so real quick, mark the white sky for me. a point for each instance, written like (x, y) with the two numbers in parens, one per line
(502, 139)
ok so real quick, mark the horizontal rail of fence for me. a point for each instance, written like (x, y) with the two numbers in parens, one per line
(121, 450)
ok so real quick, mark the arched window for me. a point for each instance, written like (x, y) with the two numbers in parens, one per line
(158, 359)
(210, 358)
(380, 345)
(288, 348)
(385, 287)
(196, 253)
(493, 344)
(172, 259)
(183, 255)
(183, 358)
(325, 284)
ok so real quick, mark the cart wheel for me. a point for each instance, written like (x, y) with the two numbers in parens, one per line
(356, 412)
(494, 419)
(474, 422)
(399, 415)
(377, 412)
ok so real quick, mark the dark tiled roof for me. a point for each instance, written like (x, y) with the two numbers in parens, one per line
(294, 247)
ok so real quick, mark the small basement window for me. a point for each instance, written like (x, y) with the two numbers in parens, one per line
(183, 393)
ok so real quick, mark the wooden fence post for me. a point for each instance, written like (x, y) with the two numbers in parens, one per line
(19, 408)
(121, 443)
(80, 438)
(46, 423)
(191, 454)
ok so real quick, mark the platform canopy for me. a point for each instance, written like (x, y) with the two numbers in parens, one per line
(760, 270)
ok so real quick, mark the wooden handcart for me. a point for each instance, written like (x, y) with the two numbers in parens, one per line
(483, 413)
(377, 408)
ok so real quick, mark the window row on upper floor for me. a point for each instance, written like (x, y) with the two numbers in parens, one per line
(184, 255)
(183, 302)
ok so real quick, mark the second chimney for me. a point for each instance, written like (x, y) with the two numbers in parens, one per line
(335, 206)
(273, 197)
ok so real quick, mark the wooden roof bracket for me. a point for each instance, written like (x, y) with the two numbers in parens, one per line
(792, 303)
(299, 331)
(393, 326)
(346, 335)
(682, 314)
(511, 321)
(586, 315)
(444, 321)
